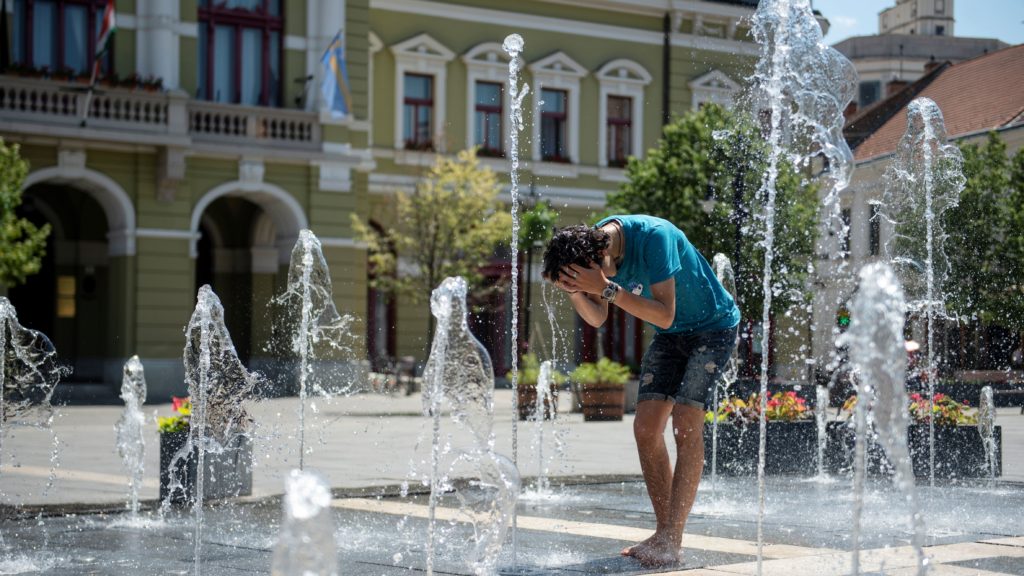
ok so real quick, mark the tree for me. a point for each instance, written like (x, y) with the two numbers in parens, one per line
(22, 244)
(704, 177)
(450, 226)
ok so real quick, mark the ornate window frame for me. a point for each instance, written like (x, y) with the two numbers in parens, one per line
(558, 72)
(486, 62)
(626, 78)
(714, 86)
(422, 54)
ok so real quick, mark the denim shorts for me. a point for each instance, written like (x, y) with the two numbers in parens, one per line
(685, 367)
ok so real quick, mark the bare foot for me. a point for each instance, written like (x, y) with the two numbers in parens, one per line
(658, 552)
(635, 549)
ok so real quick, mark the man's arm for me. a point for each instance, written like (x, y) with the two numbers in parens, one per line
(659, 310)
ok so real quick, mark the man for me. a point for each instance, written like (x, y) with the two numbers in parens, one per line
(647, 267)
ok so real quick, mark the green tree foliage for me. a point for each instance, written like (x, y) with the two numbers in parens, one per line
(450, 226)
(985, 241)
(22, 244)
(692, 178)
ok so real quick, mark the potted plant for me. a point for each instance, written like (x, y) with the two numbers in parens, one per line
(790, 444)
(601, 387)
(526, 389)
(959, 448)
(232, 467)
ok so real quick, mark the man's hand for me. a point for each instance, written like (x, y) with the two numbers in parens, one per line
(590, 279)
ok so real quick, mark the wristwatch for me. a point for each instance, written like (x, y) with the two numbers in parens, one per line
(610, 292)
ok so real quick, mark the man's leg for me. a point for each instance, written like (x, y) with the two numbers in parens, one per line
(688, 430)
(649, 431)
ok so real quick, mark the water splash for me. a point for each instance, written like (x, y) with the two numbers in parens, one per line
(987, 429)
(923, 180)
(724, 272)
(459, 376)
(821, 419)
(803, 86)
(320, 330)
(218, 384)
(131, 442)
(306, 544)
(544, 410)
(879, 362)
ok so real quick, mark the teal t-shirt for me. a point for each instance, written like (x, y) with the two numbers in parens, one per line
(655, 250)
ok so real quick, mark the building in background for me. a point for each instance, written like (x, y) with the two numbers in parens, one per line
(205, 149)
(914, 37)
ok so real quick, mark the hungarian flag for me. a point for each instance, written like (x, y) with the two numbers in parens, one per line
(107, 29)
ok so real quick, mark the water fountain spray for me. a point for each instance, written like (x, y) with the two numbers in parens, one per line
(723, 270)
(306, 544)
(131, 442)
(459, 376)
(987, 429)
(879, 363)
(923, 180)
(803, 86)
(543, 410)
(218, 383)
(320, 327)
(513, 46)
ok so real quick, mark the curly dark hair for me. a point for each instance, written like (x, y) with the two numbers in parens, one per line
(579, 244)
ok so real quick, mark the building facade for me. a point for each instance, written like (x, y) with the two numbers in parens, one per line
(205, 148)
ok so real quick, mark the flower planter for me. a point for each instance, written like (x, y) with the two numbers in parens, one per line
(959, 452)
(228, 473)
(791, 448)
(602, 403)
(527, 398)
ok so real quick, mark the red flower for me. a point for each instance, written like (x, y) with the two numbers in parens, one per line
(177, 403)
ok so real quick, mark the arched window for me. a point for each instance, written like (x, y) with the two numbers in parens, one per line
(240, 51)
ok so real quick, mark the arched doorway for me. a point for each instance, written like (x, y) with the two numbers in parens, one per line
(244, 236)
(70, 298)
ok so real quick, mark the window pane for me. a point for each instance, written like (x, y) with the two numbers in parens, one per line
(18, 45)
(423, 122)
(275, 69)
(252, 66)
(76, 43)
(407, 123)
(478, 129)
(554, 101)
(204, 51)
(419, 87)
(274, 7)
(488, 93)
(619, 108)
(224, 64)
(44, 34)
(494, 132)
(251, 5)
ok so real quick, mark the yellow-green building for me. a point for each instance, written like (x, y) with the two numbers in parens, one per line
(155, 188)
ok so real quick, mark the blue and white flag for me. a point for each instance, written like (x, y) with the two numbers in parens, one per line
(335, 78)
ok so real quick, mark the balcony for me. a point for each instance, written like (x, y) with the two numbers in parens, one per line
(48, 108)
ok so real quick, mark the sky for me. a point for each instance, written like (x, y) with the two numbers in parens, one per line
(1002, 19)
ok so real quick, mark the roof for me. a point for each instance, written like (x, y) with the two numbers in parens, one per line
(917, 47)
(977, 95)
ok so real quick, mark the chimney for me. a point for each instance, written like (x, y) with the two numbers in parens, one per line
(851, 110)
(895, 86)
(931, 65)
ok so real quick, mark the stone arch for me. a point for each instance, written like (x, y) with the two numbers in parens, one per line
(284, 210)
(116, 203)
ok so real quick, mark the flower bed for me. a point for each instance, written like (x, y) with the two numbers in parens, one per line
(791, 443)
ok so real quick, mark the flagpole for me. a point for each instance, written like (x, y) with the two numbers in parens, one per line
(88, 95)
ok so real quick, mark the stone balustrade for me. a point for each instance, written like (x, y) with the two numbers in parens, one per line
(38, 106)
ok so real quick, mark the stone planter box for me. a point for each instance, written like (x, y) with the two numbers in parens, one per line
(527, 402)
(228, 474)
(602, 403)
(959, 452)
(791, 448)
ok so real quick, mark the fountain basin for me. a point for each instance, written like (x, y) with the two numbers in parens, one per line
(229, 472)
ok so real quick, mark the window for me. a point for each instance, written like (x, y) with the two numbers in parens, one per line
(421, 72)
(870, 92)
(488, 133)
(556, 105)
(940, 6)
(553, 119)
(620, 127)
(240, 51)
(940, 30)
(715, 86)
(59, 35)
(622, 85)
(418, 112)
(875, 231)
